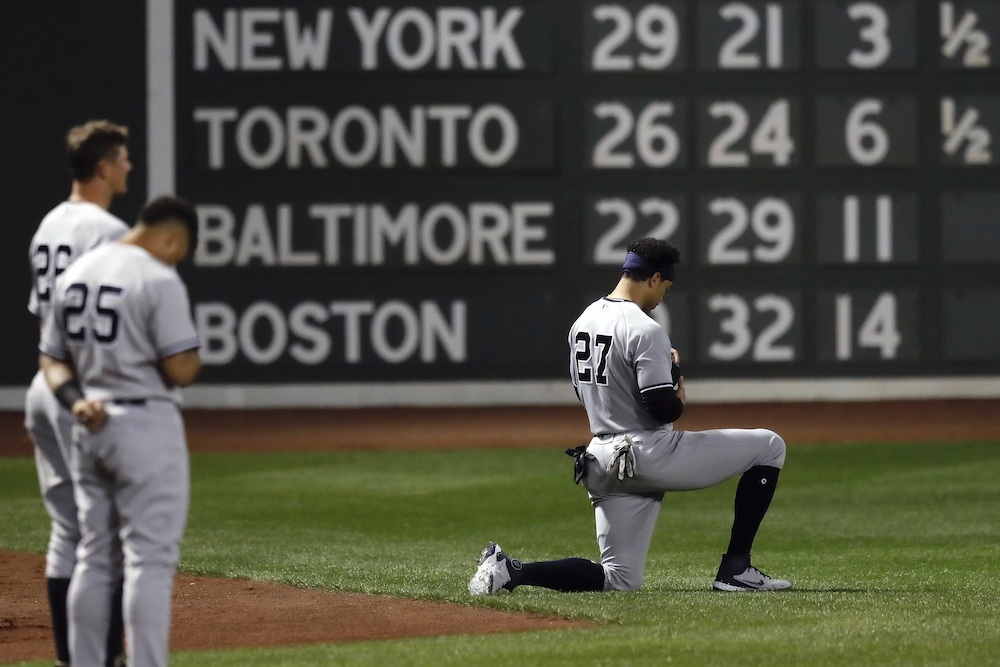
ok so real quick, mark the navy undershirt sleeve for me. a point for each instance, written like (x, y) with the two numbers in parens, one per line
(663, 404)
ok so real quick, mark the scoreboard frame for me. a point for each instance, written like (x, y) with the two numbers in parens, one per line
(825, 167)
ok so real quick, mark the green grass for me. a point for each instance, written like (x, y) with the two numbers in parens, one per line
(892, 550)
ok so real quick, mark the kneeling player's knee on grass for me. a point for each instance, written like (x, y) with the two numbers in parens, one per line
(622, 579)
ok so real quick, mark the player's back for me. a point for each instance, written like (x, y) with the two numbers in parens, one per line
(120, 310)
(615, 351)
(64, 234)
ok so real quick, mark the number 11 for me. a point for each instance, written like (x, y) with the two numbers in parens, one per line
(852, 228)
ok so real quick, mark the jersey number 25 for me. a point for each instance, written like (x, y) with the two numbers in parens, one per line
(104, 321)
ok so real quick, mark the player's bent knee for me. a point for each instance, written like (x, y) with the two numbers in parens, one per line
(774, 452)
(621, 579)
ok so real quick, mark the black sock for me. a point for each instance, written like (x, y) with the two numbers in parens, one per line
(58, 590)
(569, 575)
(753, 496)
(116, 645)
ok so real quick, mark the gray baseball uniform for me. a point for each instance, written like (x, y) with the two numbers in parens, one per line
(617, 352)
(65, 233)
(116, 312)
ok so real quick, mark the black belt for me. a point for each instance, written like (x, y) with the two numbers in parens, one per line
(129, 401)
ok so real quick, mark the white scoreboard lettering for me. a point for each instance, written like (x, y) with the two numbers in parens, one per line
(356, 136)
(368, 37)
(264, 333)
(359, 234)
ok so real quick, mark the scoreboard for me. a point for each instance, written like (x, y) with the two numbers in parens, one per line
(400, 191)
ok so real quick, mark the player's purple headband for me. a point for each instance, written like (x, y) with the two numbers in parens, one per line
(643, 266)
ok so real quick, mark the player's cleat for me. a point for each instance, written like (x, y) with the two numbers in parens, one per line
(493, 571)
(736, 575)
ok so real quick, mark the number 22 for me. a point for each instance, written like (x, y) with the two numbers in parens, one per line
(584, 371)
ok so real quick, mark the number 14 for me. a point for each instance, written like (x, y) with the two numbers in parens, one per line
(878, 330)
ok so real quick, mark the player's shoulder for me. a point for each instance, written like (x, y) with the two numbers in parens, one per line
(644, 327)
(95, 216)
(100, 256)
(596, 311)
(74, 217)
(125, 263)
(54, 219)
(623, 317)
(628, 311)
(147, 268)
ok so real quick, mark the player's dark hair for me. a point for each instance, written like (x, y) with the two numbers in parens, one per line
(657, 256)
(171, 209)
(88, 144)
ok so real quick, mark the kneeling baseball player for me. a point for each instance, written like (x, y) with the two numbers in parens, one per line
(627, 376)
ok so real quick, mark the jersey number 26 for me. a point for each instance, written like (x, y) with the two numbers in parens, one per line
(48, 265)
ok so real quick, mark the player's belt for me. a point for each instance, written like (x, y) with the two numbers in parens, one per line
(129, 401)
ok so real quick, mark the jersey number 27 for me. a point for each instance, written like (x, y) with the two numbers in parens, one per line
(586, 370)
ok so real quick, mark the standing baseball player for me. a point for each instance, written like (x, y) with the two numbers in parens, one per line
(627, 376)
(99, 164)
(117, 344)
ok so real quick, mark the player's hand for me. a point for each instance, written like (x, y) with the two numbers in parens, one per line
(681, 394)
(91, 414)
(675, 356)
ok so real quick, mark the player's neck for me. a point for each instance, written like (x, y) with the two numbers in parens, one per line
(628, 290)
(157, 241)
(93, 191)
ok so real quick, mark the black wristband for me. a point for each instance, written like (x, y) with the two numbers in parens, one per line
(68, 393)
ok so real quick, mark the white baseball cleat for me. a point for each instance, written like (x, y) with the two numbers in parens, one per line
(737, 575)
(492, 573)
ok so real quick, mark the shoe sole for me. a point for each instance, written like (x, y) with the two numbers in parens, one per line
(485, 587)
(484, 577)
(729, 588)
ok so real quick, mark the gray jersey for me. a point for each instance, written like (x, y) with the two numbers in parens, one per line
(616, 353)
(66, 232)
(115, 313)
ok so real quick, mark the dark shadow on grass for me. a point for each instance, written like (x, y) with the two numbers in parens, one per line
(531, 591)
(852, 590)
(709, 589)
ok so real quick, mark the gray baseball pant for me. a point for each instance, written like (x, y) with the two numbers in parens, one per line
(665, 460)
(132, 488)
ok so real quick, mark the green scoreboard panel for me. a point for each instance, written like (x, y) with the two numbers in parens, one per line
(433, 191)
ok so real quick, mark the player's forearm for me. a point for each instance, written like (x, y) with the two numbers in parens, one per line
(663, 404)
(180, 370)
(62, 381)
(57, 372)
